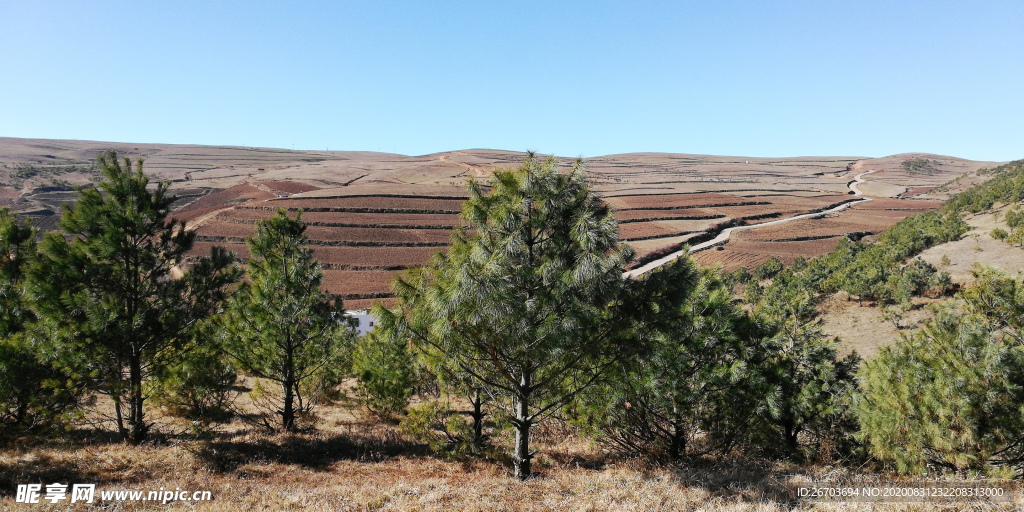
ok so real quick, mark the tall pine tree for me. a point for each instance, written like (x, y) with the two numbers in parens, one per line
(106, 292)
(523, 305)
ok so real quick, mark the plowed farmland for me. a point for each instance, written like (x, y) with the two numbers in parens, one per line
(365, 238)
(750, 254)
(370, 204)
(371, 215)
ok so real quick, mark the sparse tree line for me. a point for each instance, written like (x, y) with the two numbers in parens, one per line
(525, 318)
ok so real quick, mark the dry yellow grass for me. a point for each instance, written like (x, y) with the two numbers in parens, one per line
(353, 463)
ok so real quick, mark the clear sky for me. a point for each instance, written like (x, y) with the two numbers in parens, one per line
(857, 78)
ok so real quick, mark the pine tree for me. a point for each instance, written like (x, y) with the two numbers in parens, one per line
(810, 385)
(282, 326)
(110, 305)
(947, 396)
(33, 391)
(407, 328)
(999, 300)
(689, 391)
(523, 303)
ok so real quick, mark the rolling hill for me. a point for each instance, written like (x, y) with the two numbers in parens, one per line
(373, 214)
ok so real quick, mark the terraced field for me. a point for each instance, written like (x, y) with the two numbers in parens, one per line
(365, 240)
(371, 215)
(811, 237)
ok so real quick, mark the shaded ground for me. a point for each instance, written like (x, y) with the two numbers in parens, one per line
(373, 468)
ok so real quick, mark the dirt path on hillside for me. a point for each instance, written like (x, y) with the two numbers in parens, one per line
(479, 170)
(726, 233)
(207, 217)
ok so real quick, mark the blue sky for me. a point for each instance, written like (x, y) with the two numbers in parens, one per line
(866, 78)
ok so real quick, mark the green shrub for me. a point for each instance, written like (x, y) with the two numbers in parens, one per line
(35, 392)
(742, 275)
(809, 384)
(691, 392)
(998, 234)
(768, 269)
(1015, 218)
(946, 396)
(435, 424)
(200, 386)
(386, 370)
(1006, 186)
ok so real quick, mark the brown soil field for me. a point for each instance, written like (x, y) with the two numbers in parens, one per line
(750, 254)
(382, 235)
(289, 187)
(200, 248)
(627, 216)
(374, 257)
(449, 221)
(349, 283)
(217, 228)
(220, 200)
(736, 212)
(370, 202)
(668, 201)
(661, 229)
(319, 234)
(387, 196)
(645, 246)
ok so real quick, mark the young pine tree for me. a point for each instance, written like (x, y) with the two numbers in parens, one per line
(523, 304)
(946, 396)
(689, 391)
(282, 327)
(33, 391)
(810, 385)
(110, 307)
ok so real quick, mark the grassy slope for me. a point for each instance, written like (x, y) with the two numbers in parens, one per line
(863, 329)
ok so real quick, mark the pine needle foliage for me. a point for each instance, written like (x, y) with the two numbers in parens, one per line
(17, 248)
(281, 326)
(809, 385)
(690, 391)
(33, 391)
(525, 303)
(110, 306)
(946, 397)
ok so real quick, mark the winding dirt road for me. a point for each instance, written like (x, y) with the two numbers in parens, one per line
(724, 235)
(480, 171)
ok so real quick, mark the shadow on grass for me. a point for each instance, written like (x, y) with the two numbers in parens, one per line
(313, 451)
(755, 482)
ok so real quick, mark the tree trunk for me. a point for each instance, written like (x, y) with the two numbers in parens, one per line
(136, 420)
(478, 421)
(288, 411)
(791, 434)
(120, 417)
(678, 443)
(522, 423)
(19, 416)
(288, 386)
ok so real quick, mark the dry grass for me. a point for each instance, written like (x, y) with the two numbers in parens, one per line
(353, 463)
